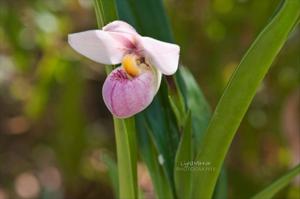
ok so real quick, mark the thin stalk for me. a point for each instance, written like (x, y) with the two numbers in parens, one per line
(125, 132)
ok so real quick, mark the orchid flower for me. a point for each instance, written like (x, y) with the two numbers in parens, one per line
(131, 87)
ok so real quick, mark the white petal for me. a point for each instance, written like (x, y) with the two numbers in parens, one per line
(101, 46)
(163, 55)
(119, 26)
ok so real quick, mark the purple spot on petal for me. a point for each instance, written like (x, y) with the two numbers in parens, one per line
(119, 75)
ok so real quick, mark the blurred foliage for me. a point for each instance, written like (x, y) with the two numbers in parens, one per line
(54, 127)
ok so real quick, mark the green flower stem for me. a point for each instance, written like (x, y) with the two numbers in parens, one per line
(127, 159)
(125, 132)
(239, 94)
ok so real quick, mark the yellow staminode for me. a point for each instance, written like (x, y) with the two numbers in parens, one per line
(130, 65)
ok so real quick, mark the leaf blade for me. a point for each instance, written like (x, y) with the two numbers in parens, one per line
(233, 104)
(150, 157)
(276, 186)
(184, 156)
(197, 104)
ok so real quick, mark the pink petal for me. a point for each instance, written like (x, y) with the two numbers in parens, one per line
(163, 55)
(126, 97)
(101, 46)
(119, 26)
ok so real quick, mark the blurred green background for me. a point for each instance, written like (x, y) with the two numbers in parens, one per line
(55, 129)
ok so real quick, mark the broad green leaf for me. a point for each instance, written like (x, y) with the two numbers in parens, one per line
(220, 191)
(279, 184)
(163, 131)
(124, 129)
(184, 157)
(198, 118)
(105, 11)
(196, 103)
(148, 17)
(239, 94)
(201, 114)
(177, 109)
(150, 156)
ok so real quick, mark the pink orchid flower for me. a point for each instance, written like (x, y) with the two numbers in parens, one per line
(131, 87)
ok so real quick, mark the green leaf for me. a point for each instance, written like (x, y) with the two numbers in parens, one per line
(279, 184)
(178, 109)
(105, 11)
(220, 191)
(148, 17)
(177, 103)
(124, 128)
(150, 156)
(163, 131)
(239, 94)
(197, 103)
(184, 157)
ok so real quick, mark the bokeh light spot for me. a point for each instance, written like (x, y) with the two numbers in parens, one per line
(27, 185)
(47, 22)
(85, 3)
(7, 68)
(50, 178)
(17, 125)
